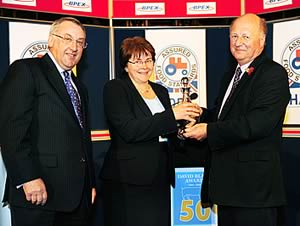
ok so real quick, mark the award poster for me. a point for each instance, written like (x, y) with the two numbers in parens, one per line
(180, 53)
(286, 51)
(186, 206)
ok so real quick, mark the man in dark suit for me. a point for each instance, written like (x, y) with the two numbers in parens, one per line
(45, 135)
(244, 132)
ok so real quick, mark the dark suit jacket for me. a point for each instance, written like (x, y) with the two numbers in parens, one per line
(133, 156)
(40, 135)
(245, 141)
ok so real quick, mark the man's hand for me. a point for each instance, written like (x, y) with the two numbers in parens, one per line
(198, 131)
(35, 192)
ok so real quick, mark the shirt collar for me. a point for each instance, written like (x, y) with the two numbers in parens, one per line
(59, 68)
(244, 67)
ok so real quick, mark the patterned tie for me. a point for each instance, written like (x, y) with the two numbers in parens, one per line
(74, 97)
(236, 79)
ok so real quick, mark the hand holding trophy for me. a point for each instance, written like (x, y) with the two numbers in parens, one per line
(193, 111)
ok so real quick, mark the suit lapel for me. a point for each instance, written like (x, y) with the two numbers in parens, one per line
(54, 78)
(241, 85)
(223, 87)
(228, 104)
(165, 101)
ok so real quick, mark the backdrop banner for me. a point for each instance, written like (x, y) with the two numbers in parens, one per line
(89, 8)
(33, 44)
(286, 51)
(180, 53)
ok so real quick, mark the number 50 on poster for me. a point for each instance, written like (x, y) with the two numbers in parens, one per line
(186, 206)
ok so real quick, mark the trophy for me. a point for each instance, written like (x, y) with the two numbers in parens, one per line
(185, 89)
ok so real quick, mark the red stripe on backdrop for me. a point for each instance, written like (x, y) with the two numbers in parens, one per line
(176, 8)
(99, 8)
(257, 6)
(102, 135)
(291, 132)
(99, 135)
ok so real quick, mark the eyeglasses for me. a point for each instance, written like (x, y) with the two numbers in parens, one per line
(235, 37)
(140, 62)
(68, 40)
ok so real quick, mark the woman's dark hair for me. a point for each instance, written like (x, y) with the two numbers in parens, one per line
(135, 46)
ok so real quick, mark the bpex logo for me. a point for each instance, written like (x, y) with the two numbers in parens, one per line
(275, 2)
(194, 8)
(291, 60)
(268, 4)
(76, 4)
(175, 62)
(20, 2)
(35, 49)
(149, 8)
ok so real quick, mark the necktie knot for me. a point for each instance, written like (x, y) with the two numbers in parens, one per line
(66, 74)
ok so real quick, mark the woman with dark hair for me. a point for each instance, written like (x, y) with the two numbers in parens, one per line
(138, 170)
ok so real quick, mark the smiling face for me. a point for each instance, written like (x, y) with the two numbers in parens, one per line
(66, 53)
(140, 68)
(247, 38)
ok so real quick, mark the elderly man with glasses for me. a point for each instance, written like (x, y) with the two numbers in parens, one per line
(45, 134)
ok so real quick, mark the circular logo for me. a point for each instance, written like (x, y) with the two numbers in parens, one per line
(35, 49)
(175, 62)
(291, 60)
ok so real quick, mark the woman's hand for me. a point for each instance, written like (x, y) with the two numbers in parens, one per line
(187, 111)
